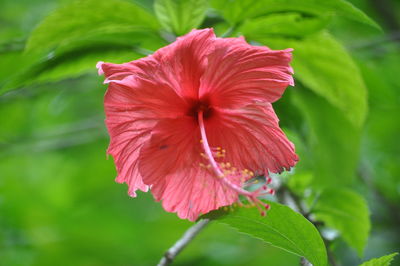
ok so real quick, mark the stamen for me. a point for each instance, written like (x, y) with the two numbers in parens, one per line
(225, 170)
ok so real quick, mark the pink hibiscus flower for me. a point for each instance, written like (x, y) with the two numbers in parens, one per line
(194, 121)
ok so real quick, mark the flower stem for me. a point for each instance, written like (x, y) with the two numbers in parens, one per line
(188, 236)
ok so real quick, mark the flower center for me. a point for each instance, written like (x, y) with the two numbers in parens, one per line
(202, 105)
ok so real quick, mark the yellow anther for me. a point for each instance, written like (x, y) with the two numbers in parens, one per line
(201, 141)
(251, 173)
(228, 165)
(219, 148)
(227, 172)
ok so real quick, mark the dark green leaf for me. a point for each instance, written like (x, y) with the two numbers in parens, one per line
(347, 212)
(382, 261)
(180, 16)
(282, 227)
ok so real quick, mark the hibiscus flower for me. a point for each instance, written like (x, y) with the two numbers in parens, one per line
(194, 121)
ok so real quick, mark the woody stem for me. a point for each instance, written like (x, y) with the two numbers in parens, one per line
(214, 165)
(173, 251)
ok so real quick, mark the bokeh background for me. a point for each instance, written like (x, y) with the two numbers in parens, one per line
(59, 204)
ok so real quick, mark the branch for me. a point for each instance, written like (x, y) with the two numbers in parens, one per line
(173, 251)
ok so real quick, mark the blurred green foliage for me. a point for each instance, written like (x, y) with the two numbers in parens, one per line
(58, 202)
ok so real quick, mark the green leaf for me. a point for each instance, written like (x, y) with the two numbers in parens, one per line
(282, 228)
(333, 142)
(347, 212)
(382, 261)
(286, 25)
(85, 19)
(180, 16)
(72, 64)
(236, 11)
(323, 65)
(81, 57)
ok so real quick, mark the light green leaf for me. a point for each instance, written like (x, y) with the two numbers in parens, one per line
(286, 25)
(333, 142)
(323, 65)
(282, 228)
(347, 212)
(86, 19)
(236, 11)
(382, 261)
(180, 16)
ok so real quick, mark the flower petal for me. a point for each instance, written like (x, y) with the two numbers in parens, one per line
(191, 192)
(252, 138)
(147, 97)
(174, 145)
(169, 163)
(186, 60)
(178, 65)
(127, 132)
(238, 73)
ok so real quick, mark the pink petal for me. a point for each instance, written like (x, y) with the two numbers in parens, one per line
(238, 74)
(128, 132)
(191, 192)
(178, 65)
(132, 110)
(169, 162)
(252, 138)
(186, 60)
(146, 96)
(174, 145)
